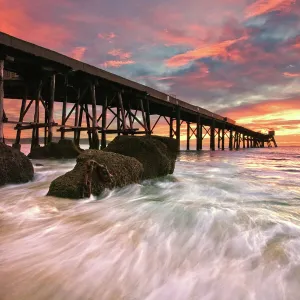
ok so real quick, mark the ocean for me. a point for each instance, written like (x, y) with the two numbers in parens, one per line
(224, 226)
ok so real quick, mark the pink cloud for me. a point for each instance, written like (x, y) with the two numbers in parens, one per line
(107, 36)
(116, 63)
(17, 22)
(119, 53)
(264, 6)
(288, 74)
(78, 53)
(217, 49)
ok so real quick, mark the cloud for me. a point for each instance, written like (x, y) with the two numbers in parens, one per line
(78, 53)
(116, 63)
(120, 53)
(218, 49)
(261, 7)
(107, 36)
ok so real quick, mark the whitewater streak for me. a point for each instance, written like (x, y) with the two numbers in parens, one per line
(225, 225)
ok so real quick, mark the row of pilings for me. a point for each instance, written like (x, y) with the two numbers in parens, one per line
(119, 115)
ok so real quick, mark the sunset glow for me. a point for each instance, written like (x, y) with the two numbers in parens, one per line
(240, 59)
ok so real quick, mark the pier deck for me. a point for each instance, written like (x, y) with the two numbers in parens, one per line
(39, 77)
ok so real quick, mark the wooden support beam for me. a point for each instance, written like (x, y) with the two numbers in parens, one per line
(17, 145)
(248, 144)
(212, 136)
(147, 109)
(35, 130)
(219, 138)
(1, 100)
(88, 125)
(103, 134)
(171, 130)
(119, 120)
(199, 133)
(95, 136)
(230, 139)
(129, 115)
(223, 137)
(76, 117)
(188, 136)
(144, 116)
(121, 106)
(64, 108)
(244, 141)
(51, 107)
(178, 126)
(77, 142)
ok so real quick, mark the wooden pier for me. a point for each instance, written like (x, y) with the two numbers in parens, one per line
(102, 103)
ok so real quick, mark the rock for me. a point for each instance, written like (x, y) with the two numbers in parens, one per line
(39, 165)
(15, 167)
(95, 171)
(62, 149)
(157, 154)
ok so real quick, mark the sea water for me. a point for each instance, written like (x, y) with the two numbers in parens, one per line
(224, 226)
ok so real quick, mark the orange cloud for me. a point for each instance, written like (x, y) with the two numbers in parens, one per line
(288, 74)
(116, 63)
(78, 53)
(264, 6)
(119, 53)
(218, 49)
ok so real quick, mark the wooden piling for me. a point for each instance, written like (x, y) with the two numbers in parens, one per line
(35, 131)
(95, 136)
(144, 117)
(1, 100)
(199, 133)
(50, 107)
(178, 123)
(219, 138)
(171, 128)
(17, 145)
(212, 136)
(230, 139)
(103, 133)
(148, 121)
(223, 137)
(188, 129)
(122, 110)
(64, 109)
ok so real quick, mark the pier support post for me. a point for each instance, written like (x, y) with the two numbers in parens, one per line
(35, 130)
(76, 129)
(244, 141)
(1, 99)
(122, 111)
(77, 141)
(118, 120)
(64, 109)
(178, 126)
(50, 107)
(212, 136)
(199, 133)
(148, 115)
(223, 137)
(188, 135)
(219, 138)
(147, 129)
(171, 127)
(230, 139)
(17, 144)
(95, 136)
(103, 133)
(247, 141)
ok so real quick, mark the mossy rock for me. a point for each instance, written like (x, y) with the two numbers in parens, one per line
(157, 154)
(15, 167)
(62, 149)
(113, 170)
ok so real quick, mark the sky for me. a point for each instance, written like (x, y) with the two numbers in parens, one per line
(238, 58)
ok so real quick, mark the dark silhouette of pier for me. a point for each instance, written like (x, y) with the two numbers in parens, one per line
(102, 103)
